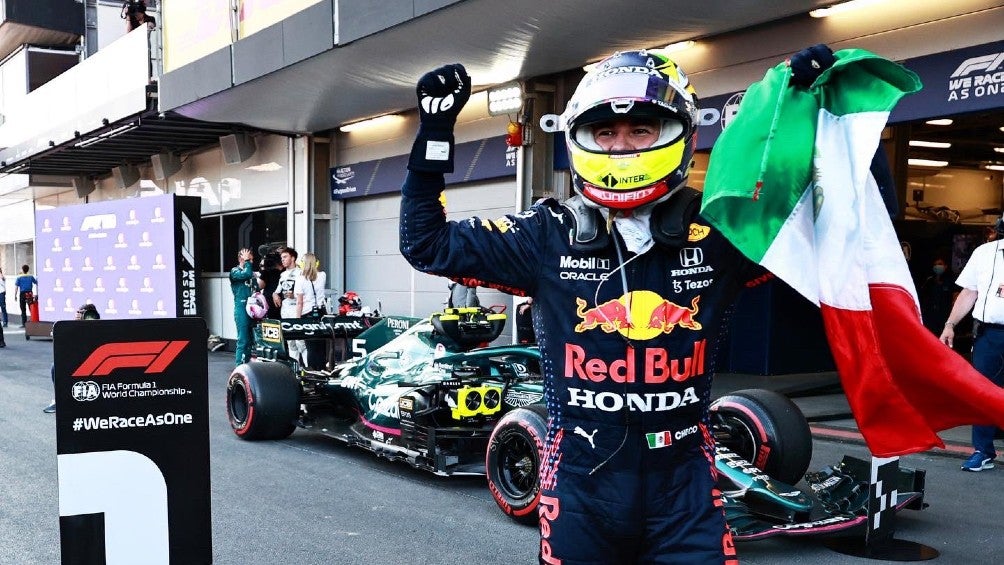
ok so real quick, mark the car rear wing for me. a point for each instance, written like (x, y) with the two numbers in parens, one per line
(471, 326)
(276, 332)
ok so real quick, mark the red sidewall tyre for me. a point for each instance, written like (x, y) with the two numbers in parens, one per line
(263, 400)
(512, 463)
(767, 429)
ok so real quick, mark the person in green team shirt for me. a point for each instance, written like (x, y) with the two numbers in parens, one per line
(243, 283)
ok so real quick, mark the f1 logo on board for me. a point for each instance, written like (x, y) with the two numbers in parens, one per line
(99, 222)
(153, 356)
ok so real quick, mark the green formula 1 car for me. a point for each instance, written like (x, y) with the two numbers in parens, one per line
(430, 393)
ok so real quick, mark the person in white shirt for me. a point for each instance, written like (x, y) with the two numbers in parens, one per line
(284, 297)
(982, 294)
(309, 292)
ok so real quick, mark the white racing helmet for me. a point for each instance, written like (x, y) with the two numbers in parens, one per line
(644, 84)
(256, 307)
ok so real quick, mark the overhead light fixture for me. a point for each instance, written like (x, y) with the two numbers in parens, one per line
(679, 46)
(120, 130)
(940, 122)
(842, 7)
(265, 167)
(999, 149)
(995, 167)
(383, 120)
(926, 163)
(505, 99)
(930, 144)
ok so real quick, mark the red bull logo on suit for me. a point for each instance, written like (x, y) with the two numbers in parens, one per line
(658, 367)
(639, 314)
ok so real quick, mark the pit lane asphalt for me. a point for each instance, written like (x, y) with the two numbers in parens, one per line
(310, 500)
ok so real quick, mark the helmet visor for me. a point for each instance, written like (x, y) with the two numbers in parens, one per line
(666, 131)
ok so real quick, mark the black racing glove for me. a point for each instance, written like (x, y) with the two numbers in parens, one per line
(809, 63)
(442, 93)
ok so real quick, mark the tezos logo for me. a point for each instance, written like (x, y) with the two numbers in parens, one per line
(85, 391)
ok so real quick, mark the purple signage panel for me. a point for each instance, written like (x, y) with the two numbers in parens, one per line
(131, 258)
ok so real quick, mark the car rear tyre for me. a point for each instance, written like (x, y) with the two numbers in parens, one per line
(513, 461)
(766, 429)
(263, 400)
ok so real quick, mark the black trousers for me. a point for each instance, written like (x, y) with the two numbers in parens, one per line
(24, 307)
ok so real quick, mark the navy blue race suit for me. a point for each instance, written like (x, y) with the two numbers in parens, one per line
(628, 470)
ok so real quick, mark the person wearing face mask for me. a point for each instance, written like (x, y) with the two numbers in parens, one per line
(936, 295)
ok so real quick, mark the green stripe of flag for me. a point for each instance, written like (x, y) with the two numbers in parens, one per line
(761, 165)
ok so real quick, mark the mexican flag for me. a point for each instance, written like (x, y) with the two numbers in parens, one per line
(789, 184)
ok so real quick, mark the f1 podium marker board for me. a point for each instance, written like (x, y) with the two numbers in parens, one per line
(132, 438)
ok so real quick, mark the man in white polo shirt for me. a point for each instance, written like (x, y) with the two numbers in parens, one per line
(982, 282)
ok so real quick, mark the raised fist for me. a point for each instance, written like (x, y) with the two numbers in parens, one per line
(442, 93)
(809, 63)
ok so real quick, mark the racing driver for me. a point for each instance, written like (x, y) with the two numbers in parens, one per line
(629, 287)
